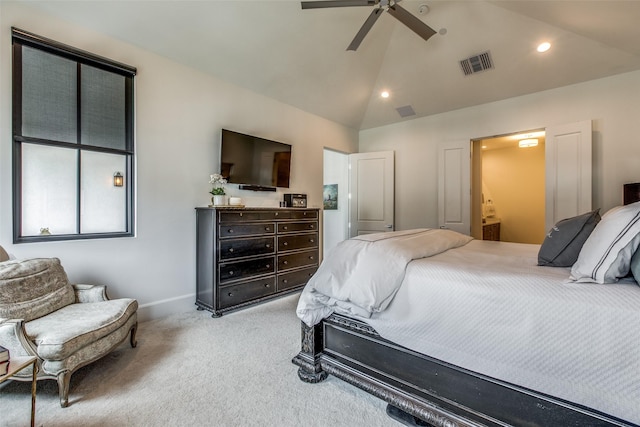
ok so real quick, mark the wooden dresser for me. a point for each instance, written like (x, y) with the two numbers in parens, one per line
(248, 255)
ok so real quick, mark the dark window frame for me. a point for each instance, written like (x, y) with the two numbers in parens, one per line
(22, 38)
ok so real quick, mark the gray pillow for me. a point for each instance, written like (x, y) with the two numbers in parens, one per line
(562, 245)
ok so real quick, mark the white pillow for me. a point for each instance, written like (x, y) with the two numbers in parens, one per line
(606, 255)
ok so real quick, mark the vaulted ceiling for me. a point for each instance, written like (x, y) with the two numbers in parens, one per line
(299, 57)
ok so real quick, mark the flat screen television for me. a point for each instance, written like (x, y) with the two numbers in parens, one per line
(254, 163)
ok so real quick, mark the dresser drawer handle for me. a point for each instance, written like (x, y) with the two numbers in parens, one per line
(230, 294)
(311, 240)
(284, 280)
(311, 226)
(267, 229)
(231, 273)
(311, 257)
(276, 213)
(268, 245)
(267, 266)
(286, 244)
(285, 227)
(230, 230)
(231, 250)
(285, 262)
(266, 285)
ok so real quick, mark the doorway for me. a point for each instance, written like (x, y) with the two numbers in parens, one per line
(508, 187)
(358, 195)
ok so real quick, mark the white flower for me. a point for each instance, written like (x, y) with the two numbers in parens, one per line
(218, 182)
(216, 178)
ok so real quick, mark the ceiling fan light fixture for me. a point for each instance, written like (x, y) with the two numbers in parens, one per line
(531, 142)
(384, 94)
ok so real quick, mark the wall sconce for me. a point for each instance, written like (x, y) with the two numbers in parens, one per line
(118, 179)
(532, 142)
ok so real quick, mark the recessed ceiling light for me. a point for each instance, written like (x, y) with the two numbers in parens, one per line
(384, 94)
(543, 47)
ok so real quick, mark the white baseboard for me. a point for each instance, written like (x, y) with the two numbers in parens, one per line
(166, 307)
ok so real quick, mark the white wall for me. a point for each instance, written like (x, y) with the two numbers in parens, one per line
(179, 114)
(335, 222)
(611, 103)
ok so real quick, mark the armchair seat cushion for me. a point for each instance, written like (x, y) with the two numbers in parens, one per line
(69, 329)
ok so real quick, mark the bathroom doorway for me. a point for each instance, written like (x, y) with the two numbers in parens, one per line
(508, 187)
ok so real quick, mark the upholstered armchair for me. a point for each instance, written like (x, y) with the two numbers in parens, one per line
(65, 326)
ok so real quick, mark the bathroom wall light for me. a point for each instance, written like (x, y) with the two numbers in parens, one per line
(531, 142)
(118, 179)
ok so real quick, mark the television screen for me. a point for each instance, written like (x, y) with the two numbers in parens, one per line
(249, 160)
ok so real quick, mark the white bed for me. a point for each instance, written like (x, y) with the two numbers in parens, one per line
(488, 307)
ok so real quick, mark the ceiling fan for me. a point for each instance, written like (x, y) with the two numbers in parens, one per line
(391, 6)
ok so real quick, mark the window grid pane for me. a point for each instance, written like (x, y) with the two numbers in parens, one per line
(103, 208)
(102, 108)
(49, 190)
(49, 92)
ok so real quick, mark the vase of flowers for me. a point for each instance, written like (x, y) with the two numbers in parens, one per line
(219, 195)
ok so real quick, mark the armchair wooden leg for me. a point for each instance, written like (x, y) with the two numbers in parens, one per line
(134, 330)
(63, 388)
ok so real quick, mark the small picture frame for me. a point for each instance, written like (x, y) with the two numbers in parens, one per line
(330, 197)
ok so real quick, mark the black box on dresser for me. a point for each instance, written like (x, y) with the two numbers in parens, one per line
(245, 256)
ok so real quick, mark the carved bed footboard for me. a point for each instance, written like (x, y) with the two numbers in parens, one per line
(431, 390)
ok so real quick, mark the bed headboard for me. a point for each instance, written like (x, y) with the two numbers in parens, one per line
(631, 193)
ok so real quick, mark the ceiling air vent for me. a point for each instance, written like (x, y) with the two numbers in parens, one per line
(476, 63)
(406, 111)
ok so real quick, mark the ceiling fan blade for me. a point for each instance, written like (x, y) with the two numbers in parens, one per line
(411, 21)
(337, 3)
(375, 14)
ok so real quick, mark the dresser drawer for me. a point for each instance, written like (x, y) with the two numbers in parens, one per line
(238, 248)
(295, 278)
(300, 259)
(246, 291)
(242, 216)
(240, 229)
(299, 241)
(304, 214)
(288, 227)
(254, 267)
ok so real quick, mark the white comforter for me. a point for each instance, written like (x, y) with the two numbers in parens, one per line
(361, 275)
(488, 307)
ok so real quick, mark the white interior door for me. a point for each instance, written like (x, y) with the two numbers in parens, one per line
(454, 186)
(567, 171)
(371, 188)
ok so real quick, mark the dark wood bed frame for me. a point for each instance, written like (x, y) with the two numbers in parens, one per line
(421, 390)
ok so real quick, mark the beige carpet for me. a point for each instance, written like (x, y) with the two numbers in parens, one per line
(192, 370)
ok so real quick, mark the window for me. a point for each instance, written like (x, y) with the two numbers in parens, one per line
(72, 135)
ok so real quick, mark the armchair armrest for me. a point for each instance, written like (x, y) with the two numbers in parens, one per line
(90, 293)
(14, 338)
